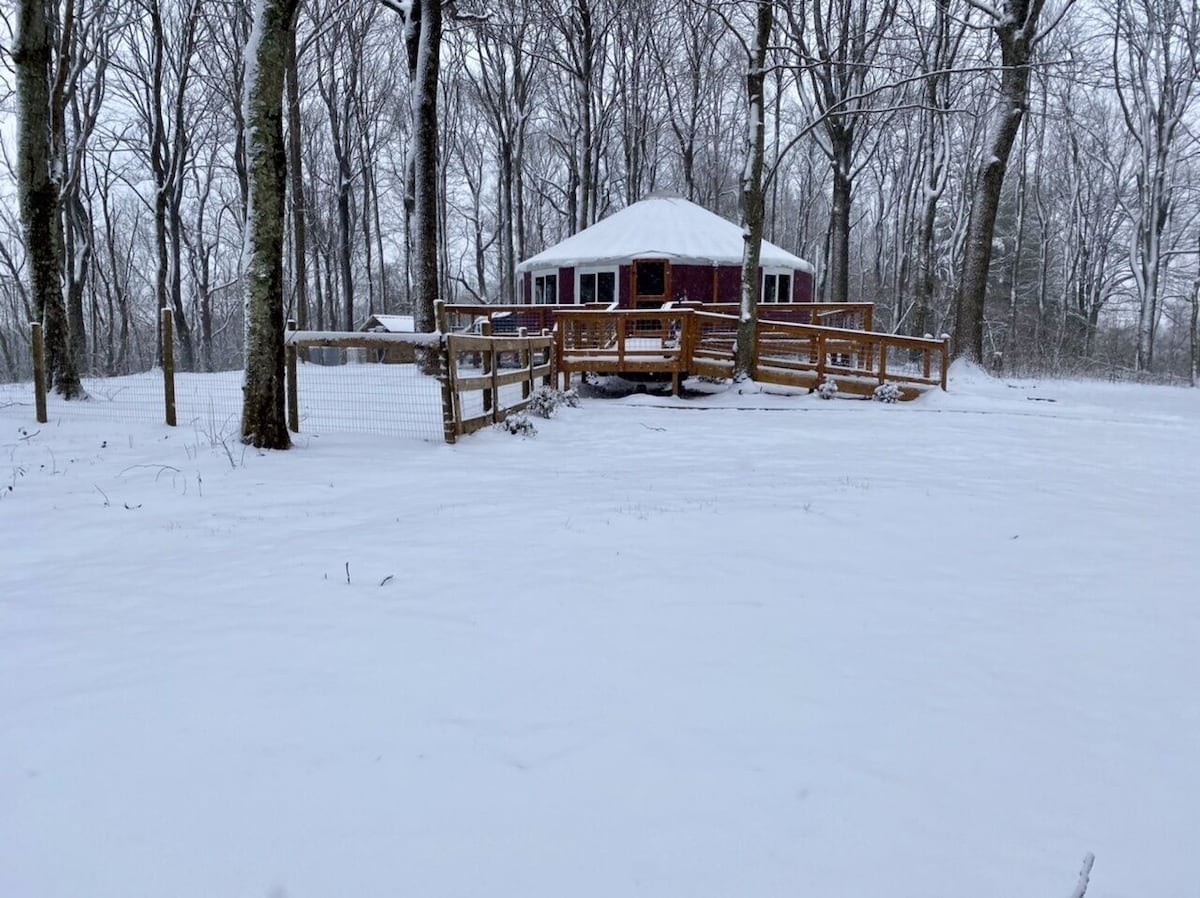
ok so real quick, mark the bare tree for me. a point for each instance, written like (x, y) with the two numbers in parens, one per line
(1015, 26)
(264, 423)
(423, 41)
(838, 77)
(1154, 43)
(752, 185)
(39, 186)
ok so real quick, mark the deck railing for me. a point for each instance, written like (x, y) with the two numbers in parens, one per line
(624, 341)
(536, 318)
(804, 355)
(798, 344)
(854, 315)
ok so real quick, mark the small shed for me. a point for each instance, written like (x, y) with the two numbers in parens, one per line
(396, 354)
(658, 250)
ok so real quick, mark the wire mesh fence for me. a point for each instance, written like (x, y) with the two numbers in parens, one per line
(358, 391)
(339, 395)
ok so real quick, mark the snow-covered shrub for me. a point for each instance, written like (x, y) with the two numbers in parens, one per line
(518, 425)
(828, 388)
(888, 392)
(546, 401)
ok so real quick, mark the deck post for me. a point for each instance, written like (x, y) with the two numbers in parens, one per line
(168, 364)
(945, 360)
(526, 362)
(293, 395)
(820, 360)
(39, 370)
(882, 363)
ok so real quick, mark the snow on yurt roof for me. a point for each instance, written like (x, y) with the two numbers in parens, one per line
(656, 228)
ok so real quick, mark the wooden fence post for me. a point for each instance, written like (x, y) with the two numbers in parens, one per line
(551, 360)
(39, 371)
(882, 363)
(945, 359)
(489, 367)
(168, 363)
(293, 382)
(447, 365)
(451, 406)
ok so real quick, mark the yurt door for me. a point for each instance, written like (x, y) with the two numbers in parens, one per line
(651, 283)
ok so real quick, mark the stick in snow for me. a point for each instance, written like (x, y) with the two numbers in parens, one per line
(1084, 875)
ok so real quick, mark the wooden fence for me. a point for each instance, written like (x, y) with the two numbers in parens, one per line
(503, 370)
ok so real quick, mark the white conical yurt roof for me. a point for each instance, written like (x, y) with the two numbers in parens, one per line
(656, 228)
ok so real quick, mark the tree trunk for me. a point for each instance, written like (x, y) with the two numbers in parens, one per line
(839, 223)
(296, 176)
(424, 45)
(752, 191)
(1015, 32)
(38, 187)
(264, 421)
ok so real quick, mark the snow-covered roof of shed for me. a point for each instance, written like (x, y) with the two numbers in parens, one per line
(656, 228)
(390, 324)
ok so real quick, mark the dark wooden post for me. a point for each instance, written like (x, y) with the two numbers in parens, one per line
(883, 351)
(550, 361)
(526, 360)
(945, 360)
(489, 366)
(39, 371)
(168, 363)
(446, 373)
(560, 328)
(293, 381)
(820, 359)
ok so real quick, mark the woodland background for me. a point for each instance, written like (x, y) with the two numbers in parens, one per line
(554, 114)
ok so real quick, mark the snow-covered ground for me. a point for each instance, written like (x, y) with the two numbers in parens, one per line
(745, 645)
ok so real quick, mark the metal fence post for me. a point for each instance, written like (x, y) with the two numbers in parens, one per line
(168, 364)
(293, 395)
(39, 370)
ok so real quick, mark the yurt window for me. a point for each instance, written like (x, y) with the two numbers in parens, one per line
(777, 286)
(545, 288)
(596, 285)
